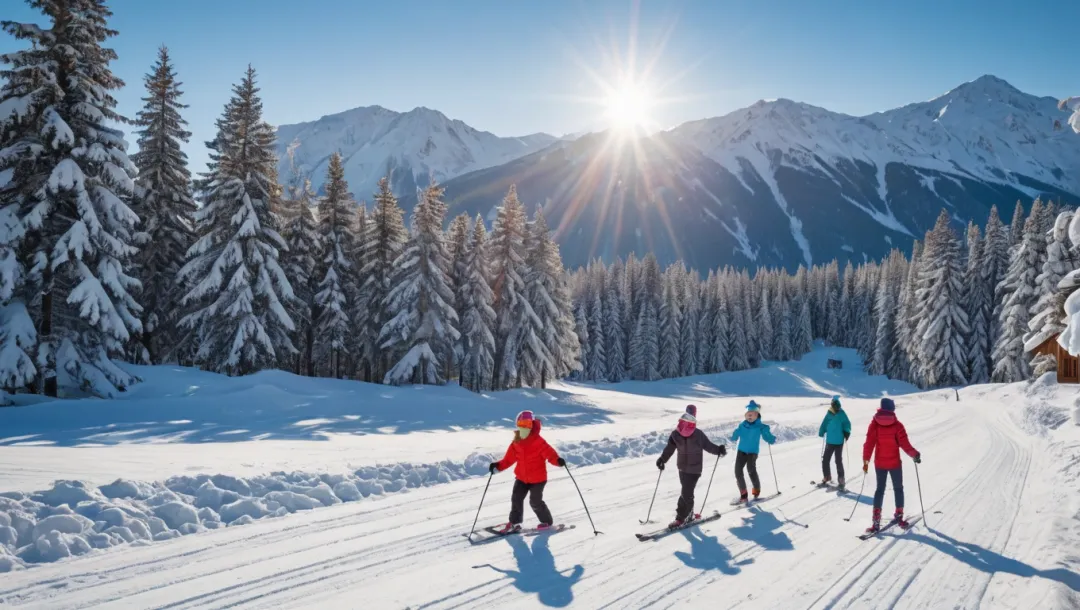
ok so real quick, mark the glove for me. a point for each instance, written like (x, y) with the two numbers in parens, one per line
(561, 462)
(918, 458)
(723, 450)
(660, 463)
(493, 467)
(846, 435)
(866, 466)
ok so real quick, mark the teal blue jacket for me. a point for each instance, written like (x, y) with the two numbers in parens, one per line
(835, 427)
(750, 435)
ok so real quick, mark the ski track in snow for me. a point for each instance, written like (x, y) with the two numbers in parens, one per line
(973, 550)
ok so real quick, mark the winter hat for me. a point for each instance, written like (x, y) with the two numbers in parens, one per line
(888, 405)
(525, 416)
(692, 410)
(753, 406)
(835, 402)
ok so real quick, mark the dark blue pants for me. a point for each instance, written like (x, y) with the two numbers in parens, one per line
(897, 475)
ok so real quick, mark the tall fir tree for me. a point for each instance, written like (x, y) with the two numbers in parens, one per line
(885, 337)
(598, 365)
(68, 233)
(719, 348)
(995, 264)
(477, 316)
(1018, 291)
(384, 240)
(900, 360)
(739, 358)
(581, 329)
(804, 336)
(943, 324)
(1048, 314)
(238, 289)
(334, 270)
(547, 291)
(615, 341)
(457, 245)
(516, 320)
(300, 262)
(1016, 227)
(423, 328)
(783, 349)
(165, 207)
(645, 346)
(978, 304)
(688, 328)
(669, 328)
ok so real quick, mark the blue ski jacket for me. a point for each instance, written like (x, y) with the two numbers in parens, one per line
(749, 436)
(835, 427)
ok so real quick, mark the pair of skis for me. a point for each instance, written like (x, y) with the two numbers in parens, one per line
(493, 532)
(830, 487)
(660, 533)
(890, 524)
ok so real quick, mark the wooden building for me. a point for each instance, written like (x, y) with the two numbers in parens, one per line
(1067, 364)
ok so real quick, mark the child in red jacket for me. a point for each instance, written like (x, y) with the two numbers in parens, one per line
(530, 452)
(888, 436)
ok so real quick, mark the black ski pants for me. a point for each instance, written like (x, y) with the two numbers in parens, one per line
(897, 475)
(830, 451)
(535, 491)
(748, 460)
(688, 482)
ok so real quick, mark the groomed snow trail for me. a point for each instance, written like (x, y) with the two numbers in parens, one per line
(975, 549)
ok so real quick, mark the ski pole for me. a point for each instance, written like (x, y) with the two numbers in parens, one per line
(653, 498)
(473, 529)
(710, 484)
(594, 530)
(861, 488)
(921, 507)
(773, 464)
(822, 456)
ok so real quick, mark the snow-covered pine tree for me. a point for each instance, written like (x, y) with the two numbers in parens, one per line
(1018, 288)
(383, 242)
(360, 338)
(644, 346)
(547, 292)
(238, 290)
(719, 347)
(764, 326)
(900, 364)
(978, 303)
(1048, 314)
(670, 318)
(688, 327)
(165, 208)
(477, 316)
(67, 171)
(783, 349)
(943, 324)
(516, 320)
(707, 307)
(334, 270)
(299, 262)
(423, 328)
(847, 306)
(994, 267)
(804, 336)
(885, 337)
(1016, 228)
(834, 332)
(457, 244)
(581, 329)
(598, 365)
(615, 346)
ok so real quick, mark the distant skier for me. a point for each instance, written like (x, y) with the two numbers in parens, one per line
(887, 435)
(749, 434)
(689, 442)
(530, 452)
(835, 429)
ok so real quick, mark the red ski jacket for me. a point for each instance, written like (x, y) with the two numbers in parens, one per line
(888, 436)
(529, 455)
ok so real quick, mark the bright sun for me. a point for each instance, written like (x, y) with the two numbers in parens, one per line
(628, 107)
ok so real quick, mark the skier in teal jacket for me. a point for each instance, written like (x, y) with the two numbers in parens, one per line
(749, 434)
(835, 429)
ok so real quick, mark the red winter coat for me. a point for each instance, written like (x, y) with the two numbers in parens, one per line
(529, 455)
(888, 435)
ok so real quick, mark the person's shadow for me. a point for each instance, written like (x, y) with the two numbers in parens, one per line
(758, 528)
(988, 561)
(536, 572)
(706, 553)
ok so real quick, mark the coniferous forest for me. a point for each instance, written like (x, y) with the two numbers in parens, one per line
(110, 254)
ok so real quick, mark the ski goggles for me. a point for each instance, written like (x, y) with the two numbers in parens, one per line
(525, 423)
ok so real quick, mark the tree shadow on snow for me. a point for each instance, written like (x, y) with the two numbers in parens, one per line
(706, 553)
(183, 405)
(536, 572)
(759, 528)
(988, 561)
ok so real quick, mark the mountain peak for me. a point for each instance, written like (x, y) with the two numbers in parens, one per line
(987, 84)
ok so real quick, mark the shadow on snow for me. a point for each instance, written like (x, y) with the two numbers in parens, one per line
(536, 572)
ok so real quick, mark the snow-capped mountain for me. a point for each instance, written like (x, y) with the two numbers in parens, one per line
(412, 146)
(783, 183)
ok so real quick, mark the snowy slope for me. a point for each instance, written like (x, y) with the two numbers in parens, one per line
(413, 145)
(782, 183)
(998, 479)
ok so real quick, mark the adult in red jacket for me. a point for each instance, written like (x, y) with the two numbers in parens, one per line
(887, 436)
(531, 453)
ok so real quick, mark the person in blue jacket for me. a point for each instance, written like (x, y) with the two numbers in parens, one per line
(749, 434)
(835, 429)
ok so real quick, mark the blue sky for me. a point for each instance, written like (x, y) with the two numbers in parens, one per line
(520, 67)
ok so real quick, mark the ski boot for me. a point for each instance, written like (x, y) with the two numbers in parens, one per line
(509, 528)
(824, 482)
(876, 525)
(543, 526)
(757, 492)
(742, 497)
(840, 485)
(898, 518)
(677, 523)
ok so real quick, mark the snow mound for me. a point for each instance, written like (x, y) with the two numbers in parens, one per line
(74, 518)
